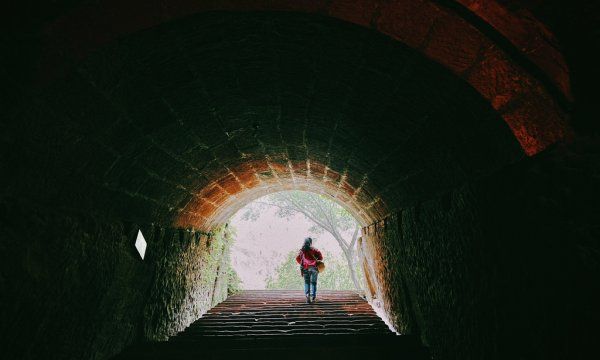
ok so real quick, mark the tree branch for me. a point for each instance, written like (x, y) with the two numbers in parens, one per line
(354, 236)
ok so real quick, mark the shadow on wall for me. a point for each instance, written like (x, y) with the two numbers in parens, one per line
(499, 268)
(79, 289)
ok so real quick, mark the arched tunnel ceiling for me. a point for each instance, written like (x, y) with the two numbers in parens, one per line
(401, 19)
(177, 123)
(510, 57)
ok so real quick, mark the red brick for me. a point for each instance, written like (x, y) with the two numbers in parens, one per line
(230, 184)
(408, 21)
(497, 78)
(359, 12)
(454, 43)
(536, 123)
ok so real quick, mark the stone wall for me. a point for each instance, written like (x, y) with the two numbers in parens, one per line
(74, 287)
(502, 267)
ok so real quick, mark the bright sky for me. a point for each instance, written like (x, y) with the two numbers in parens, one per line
(263, 244)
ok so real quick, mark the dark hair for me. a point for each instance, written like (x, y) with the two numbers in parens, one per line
(307, 244)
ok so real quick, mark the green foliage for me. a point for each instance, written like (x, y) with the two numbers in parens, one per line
(335, 277)
(234, 283)
(287, 275)
(217, 261)
(325, 214)
(217, 246)
(315, 207)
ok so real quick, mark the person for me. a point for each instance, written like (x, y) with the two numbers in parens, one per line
(307, 258)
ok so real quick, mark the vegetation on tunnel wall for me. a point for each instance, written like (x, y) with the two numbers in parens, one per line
(83, 292)
(192, 275)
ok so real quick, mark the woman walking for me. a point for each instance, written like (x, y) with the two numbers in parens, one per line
(307, 258)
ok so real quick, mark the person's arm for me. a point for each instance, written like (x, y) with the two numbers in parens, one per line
(299, 257)
(319, 255)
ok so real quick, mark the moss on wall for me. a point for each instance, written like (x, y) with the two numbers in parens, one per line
(188, 280)
(74, 287)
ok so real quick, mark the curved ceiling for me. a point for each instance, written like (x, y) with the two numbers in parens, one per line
(509, 57)
(184, 122)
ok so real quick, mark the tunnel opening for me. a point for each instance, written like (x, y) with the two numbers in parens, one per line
(271, 230)
(445, 150)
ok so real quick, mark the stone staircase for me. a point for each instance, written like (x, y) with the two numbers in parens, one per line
(279, 323)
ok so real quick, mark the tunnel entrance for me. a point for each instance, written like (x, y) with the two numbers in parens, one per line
(419, 117)
(270, 230)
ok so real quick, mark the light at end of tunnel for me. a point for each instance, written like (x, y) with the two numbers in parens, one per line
(140, 244)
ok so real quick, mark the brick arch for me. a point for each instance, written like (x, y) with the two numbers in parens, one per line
(438, 31)
(189, 122)
(222, 198)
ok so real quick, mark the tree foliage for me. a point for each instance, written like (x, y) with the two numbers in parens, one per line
(325, 214)
(335, 277)
(234, 283)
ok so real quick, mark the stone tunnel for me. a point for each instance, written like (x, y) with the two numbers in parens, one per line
(462, 135)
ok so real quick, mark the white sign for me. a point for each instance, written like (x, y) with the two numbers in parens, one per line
(140, 244)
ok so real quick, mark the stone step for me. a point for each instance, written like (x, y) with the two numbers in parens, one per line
(255, 318)
(347, 347)
(248, 331)
(299, 322)
(285, 313)
(291, 332)
(274, 323)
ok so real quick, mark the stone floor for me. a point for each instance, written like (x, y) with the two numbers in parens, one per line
(279, 323)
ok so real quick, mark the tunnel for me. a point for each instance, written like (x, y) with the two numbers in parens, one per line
(460, 134)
